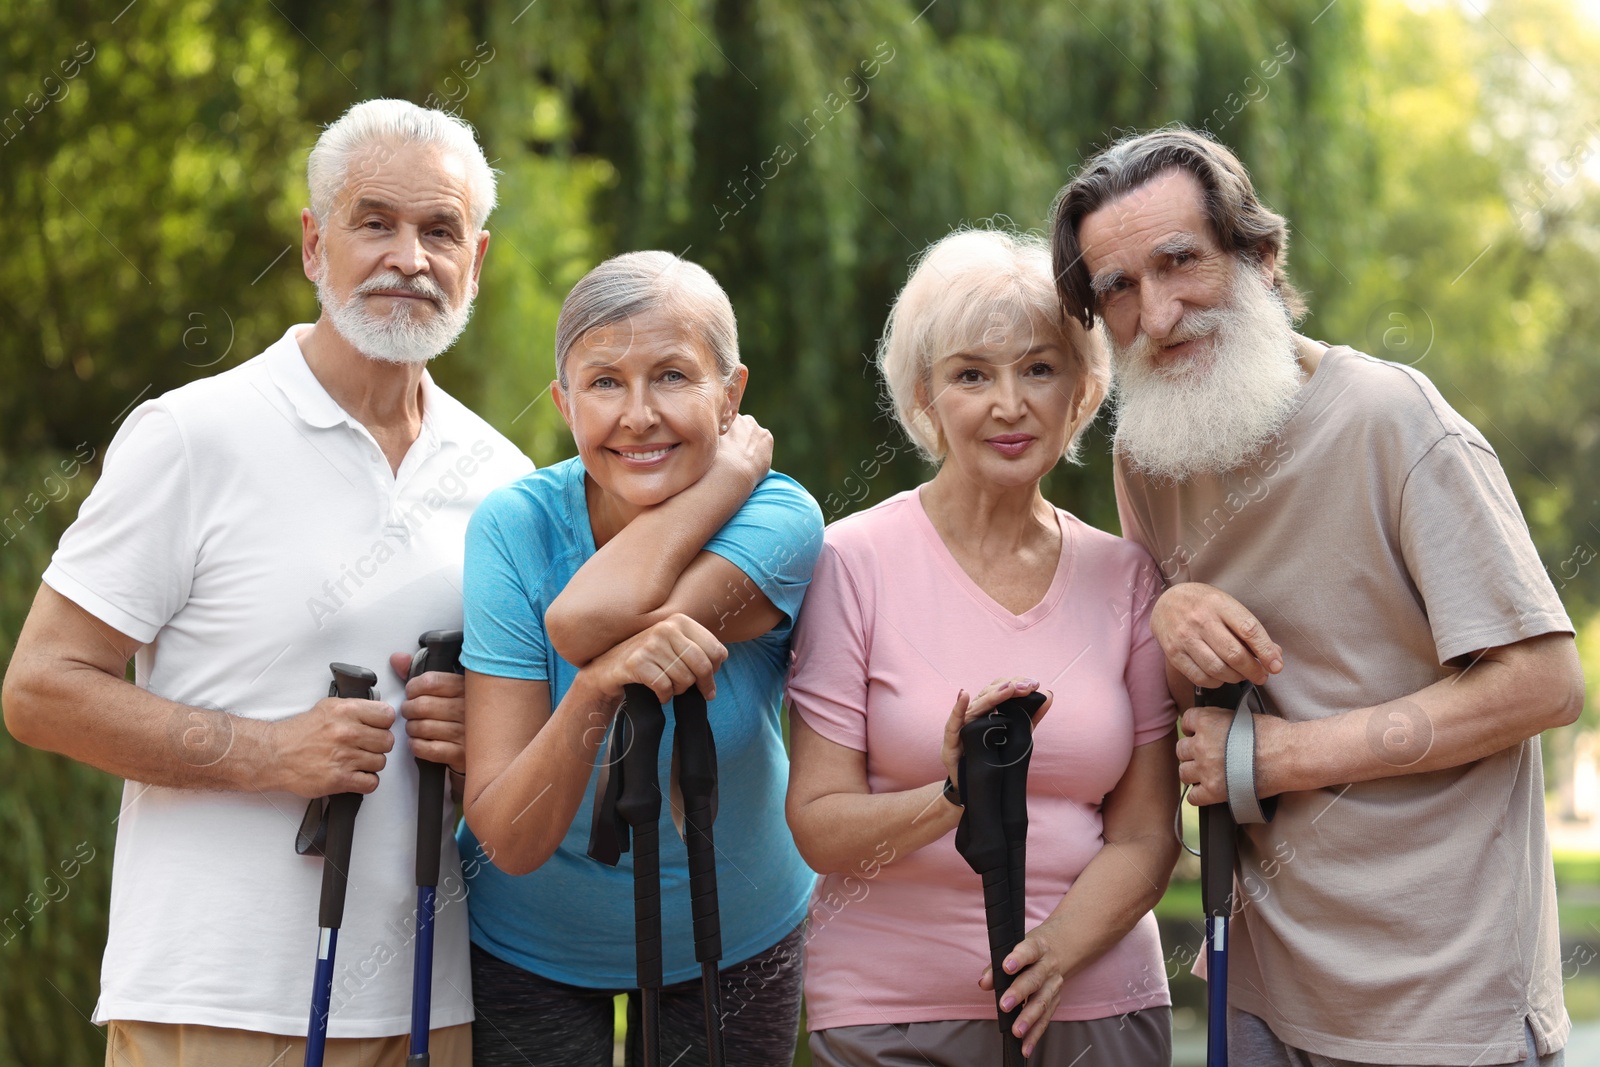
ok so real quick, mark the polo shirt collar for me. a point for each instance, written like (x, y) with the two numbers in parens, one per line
(311, 402)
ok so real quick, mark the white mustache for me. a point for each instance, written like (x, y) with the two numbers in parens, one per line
(421, 285)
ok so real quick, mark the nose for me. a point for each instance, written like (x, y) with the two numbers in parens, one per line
(1008, 398)
(407, 256)
(1159, 308)
(639, 414)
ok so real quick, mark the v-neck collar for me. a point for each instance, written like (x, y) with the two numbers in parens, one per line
(1058, 585)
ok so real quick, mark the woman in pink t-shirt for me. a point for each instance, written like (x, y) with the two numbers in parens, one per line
(918, 603)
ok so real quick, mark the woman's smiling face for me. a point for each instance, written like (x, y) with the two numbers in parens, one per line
(646, 406)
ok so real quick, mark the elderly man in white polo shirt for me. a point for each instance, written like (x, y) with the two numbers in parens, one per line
(308, 506)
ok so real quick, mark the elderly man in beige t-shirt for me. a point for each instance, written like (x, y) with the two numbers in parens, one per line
(1326, 521)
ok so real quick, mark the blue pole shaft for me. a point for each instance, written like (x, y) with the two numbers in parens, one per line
(321, 996)
(422, 978)
(1217, 991)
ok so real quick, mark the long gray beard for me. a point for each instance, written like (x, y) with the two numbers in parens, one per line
(398, 337)
(1211, 412)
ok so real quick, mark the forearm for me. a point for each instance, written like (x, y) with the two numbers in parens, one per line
(1499, 702)
(612, 595)
(1119, 886)
(522, 815)
(839, 831)
(112, 725)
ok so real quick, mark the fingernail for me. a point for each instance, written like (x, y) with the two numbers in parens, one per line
(1007, 1004)
(1010, 965)
(1022, 1028)
(1030, 683)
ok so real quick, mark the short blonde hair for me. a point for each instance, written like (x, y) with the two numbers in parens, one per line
(964, 287)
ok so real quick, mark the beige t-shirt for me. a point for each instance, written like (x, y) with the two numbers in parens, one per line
(1410, 919)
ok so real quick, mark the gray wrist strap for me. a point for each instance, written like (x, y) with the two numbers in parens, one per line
(1239, 767)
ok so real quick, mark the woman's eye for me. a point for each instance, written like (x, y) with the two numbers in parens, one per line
(674, 376)
(969, 375)
(1041, 370)
(602, 383)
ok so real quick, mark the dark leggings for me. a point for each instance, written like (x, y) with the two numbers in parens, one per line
(524, 1020)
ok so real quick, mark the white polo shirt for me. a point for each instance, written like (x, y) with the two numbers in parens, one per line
(251, 532)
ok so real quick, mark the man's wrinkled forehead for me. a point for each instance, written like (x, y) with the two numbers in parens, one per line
(1164, 216)
(405, 174)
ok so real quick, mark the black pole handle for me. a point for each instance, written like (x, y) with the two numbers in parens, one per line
(639, 805)
(1219, 841)
(697, 779)
(356, 683)
(1018, 714)
(439, 650)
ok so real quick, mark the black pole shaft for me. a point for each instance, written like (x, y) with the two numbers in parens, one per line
(639, 806)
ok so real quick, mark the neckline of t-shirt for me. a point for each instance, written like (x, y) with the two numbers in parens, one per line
(1313, 390)
(1052, 596)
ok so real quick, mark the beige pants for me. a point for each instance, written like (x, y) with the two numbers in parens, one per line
(142, 1044)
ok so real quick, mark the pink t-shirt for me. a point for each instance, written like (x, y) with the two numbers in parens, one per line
(891, 628)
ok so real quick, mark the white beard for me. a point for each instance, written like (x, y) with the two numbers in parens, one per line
(401, 336)
(1211, 411)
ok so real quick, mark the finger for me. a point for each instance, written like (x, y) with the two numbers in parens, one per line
(373, 713)
(361, 782)
(986, 979)
(1187, 667)
(1223, 655)
(435, 730)
(436, 683)
(989, 698)
(450, 754)
(1036, 1030)
(445, 709)
(958, 717)
(1049, 698)
(1253, 634)
(1026, 953)
(1035, 1015)
(367, 762)
(702, 670)
(400, 663)
(371, 739)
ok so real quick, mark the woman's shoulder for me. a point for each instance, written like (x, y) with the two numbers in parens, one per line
(539, 503)
(870, 528)
(1100, 548)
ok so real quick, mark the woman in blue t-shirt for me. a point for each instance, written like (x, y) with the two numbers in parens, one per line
(665, 554)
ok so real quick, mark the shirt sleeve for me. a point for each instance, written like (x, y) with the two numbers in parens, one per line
(1146, 674)
(129, 558)
(774, 539)
(828, 681)
(503, 623)
(1467, 547)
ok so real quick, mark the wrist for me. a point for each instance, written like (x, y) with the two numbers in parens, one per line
(951, 794)
(1277, 757)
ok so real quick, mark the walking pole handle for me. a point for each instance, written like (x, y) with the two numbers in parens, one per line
(640, 806)
(356, 683)
(440, 650)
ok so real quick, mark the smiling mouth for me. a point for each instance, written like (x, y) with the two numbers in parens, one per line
(644, 456)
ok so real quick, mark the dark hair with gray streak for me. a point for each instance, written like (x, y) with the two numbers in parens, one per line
(636, 282)
(1240, 222)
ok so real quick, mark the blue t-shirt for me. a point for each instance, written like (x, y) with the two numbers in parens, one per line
(572, 919)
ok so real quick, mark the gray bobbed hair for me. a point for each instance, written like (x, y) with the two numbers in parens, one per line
(395, 122)
(639, 282)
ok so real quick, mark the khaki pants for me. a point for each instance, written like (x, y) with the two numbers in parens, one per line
(142, 1044)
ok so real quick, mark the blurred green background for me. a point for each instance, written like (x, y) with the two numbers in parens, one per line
(1438, 163)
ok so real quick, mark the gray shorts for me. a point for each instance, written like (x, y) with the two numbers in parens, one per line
(1138, 1039)
(1252, 1041)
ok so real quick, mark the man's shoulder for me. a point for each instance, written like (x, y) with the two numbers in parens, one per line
(1363, 389)
(471, 431)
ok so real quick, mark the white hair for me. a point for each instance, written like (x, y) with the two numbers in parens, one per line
(637, 282)
(966, 287)
(395, 122)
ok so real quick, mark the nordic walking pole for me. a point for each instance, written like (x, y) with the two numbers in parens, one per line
(992, 836)
(1219, 855)
(697, 779)
(331, 836)
(639, 805)
(440, 651)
